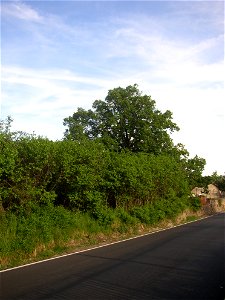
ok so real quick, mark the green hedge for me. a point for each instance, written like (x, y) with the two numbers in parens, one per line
(84, 176)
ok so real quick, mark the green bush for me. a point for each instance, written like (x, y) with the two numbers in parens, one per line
(125, 217)
(105, 217)
(22, 233)
(194, 203)
(159, 210)
(49, 189)
(84, 176)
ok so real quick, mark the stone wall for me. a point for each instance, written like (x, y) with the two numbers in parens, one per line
(214, 206)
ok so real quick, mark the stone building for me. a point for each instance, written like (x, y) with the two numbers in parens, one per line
(212, 192)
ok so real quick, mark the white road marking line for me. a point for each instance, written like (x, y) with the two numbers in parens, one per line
(105, 245)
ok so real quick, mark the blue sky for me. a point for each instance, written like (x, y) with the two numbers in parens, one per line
(60, 55)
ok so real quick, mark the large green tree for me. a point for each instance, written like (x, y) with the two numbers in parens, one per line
(126, 119)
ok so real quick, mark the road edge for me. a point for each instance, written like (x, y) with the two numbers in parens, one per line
(108, 244)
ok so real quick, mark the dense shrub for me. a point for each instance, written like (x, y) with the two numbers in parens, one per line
(48, 189)
(159, 210)
(23, 232)
(195, 203)
(84, 176)
(126, 217)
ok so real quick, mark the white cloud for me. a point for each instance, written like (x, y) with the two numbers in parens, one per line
(175, 72)
(46, 97)
(22, 11)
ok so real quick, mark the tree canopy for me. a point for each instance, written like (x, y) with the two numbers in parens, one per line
(126, 119)
(219, 181)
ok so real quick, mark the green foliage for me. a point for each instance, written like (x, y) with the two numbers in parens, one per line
(190, 218)
(159, 210)
(204, 182)
(126, 217)
(84, 176)
(125, 120)
(49, 189)
(81, 174)
(27, 167)
(195, 203)
(138, 179)
(218, 180)
(23, 232)
(105, 217)
(193, 168)
(5, 126)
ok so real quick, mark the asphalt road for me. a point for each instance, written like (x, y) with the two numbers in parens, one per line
(186, 262)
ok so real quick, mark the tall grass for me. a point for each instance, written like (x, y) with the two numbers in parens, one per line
(25, 235)
(49, 230)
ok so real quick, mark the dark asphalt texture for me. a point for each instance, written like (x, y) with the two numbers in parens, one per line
(186, 262)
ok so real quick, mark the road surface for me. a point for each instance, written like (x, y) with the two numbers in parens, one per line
(186, 262)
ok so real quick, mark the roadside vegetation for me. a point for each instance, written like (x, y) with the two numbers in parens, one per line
(115, 172)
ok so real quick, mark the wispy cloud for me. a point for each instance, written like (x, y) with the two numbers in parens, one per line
(54, 63)
(21, 11)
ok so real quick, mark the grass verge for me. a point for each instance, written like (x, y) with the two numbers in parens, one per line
(54, 231)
